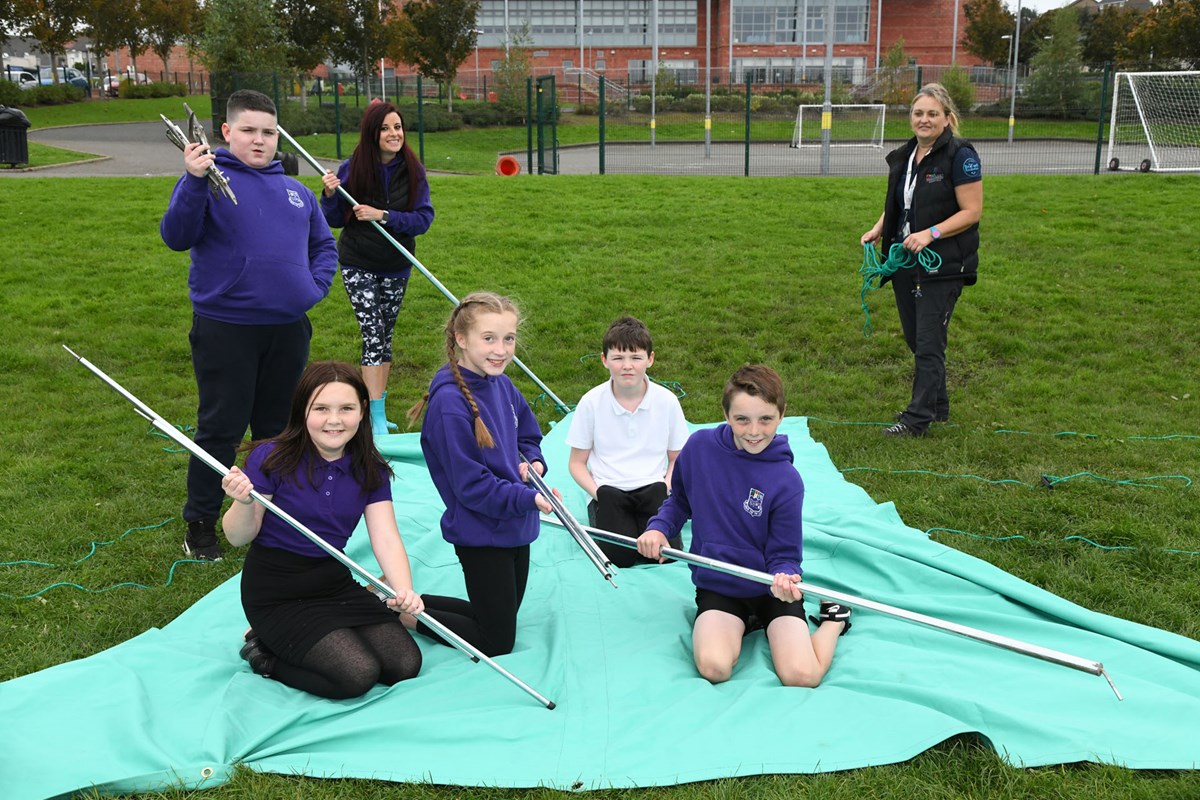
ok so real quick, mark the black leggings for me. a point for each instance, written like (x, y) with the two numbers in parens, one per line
(495, 578)
(347, 662)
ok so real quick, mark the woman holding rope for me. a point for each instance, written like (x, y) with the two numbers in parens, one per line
(934, 201)
(312, 626)
(387, 178)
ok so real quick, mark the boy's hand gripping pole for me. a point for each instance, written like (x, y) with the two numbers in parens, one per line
(413, 260)
(179, 438)
(568, 521)
(1016, 645)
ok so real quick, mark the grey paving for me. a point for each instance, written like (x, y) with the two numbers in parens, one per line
(128, 149)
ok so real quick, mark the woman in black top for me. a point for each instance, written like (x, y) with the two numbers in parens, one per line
(934, 201)
(386, 178)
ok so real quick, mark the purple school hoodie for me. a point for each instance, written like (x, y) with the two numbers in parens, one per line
(266, 260)
(487, 505)
(745, 509)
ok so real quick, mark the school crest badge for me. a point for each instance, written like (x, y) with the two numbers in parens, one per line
(294, 198)
(754, 503)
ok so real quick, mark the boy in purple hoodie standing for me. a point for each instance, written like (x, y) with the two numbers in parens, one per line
(257, 268)
(737, 484)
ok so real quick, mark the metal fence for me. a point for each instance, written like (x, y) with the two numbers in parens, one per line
(753, 127)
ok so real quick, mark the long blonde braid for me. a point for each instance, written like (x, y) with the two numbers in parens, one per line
(460, 322)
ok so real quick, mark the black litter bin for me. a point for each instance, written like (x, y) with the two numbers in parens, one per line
(14, 136)
(291, 164)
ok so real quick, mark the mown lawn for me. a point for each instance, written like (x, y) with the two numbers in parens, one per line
(1079, 325)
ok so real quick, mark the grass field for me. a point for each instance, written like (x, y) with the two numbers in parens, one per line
(1079, 324)
(474, 151)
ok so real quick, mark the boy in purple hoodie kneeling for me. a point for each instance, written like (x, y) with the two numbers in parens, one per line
(737, 484)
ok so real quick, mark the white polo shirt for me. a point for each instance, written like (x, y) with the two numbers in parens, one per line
(628, 449)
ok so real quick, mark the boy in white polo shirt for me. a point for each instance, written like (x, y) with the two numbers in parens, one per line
(624, 438)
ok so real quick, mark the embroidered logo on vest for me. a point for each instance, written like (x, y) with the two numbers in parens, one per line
(294, 198)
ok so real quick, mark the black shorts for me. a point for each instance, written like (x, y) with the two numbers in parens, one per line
(764, 607)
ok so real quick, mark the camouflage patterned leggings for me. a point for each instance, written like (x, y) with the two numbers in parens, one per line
(376, 300)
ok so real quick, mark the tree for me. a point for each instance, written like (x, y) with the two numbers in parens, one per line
(364, 34)
(511, 76)
(1056, 82)
(113, 24)
(8, 19)
(53, 23)
(897, 80)
(242, 36)
(436, 36)
(957, 83)
(309, 27)
(1105, 33)
(1174, 33)
(987, 22)
(167, 23)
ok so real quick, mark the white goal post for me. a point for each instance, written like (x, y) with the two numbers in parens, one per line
(851, 125)
(1155, 122)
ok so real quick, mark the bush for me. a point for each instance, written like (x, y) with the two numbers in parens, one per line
(958, 86)
(483, 115)
(141, 91)
(436, 118)
(587, 109)
(11, 94)
(53, 95)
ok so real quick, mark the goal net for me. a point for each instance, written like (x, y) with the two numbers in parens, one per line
(1155, 123)
(851, 125)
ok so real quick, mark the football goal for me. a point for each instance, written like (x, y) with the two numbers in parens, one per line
(1155, 123)
(850, 125)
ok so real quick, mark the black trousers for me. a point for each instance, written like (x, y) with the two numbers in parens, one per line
(245, 377)
(626, 512)
(495, 579)
(925, 309)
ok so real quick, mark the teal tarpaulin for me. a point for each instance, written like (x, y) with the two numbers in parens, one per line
(177, 706)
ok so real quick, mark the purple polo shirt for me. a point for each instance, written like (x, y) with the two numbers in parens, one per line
(331, 509)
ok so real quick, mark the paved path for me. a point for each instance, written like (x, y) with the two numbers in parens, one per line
(141, 149)
(126, 149)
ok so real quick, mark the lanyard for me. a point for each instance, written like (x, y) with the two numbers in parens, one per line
(910, 187)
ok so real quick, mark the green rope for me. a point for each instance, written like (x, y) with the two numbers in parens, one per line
(183, 428)
(1064, 434)
(92, 552)
(1047, 481)
(123, 584)
(873, 271)
(1073, 538)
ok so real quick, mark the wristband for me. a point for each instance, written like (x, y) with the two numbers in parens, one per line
(935, 233)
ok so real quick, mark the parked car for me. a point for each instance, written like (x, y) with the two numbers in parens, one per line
(23, 79)
(67, 75)
(111, 85)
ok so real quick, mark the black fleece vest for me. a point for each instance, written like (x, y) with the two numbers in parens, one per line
(933, 202)
(360, 245)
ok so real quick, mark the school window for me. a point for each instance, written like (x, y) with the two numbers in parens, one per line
(798, 21)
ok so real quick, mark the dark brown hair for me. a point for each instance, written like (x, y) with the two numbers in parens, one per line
(362, 178)
(294, 446)
(629, 334)
(756, 380)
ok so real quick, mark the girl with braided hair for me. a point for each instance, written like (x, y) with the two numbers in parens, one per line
(477, 427)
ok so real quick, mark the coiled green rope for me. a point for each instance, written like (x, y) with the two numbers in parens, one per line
(873, 271)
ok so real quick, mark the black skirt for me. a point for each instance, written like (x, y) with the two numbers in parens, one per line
(293, 601)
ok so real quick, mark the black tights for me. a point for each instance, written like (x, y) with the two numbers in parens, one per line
(348, 661)
(495, 578)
